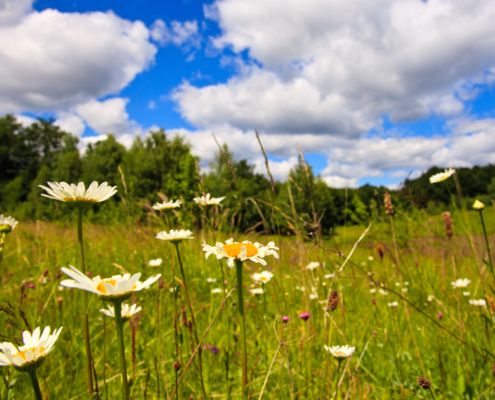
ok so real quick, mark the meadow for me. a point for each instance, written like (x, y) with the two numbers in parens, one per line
(385, 289)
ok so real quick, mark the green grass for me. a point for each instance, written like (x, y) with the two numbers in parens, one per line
(393, 345)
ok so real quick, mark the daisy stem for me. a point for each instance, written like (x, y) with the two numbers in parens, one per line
(120, 336)
(36, 384)
(87, 345)
(189, 305)
(487, 244)
(238, 267)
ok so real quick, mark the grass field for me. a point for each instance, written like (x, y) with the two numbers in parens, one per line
(396, 306)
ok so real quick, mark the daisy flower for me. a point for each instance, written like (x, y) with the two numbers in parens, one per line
(393, 304)
(117, 287)
(175, 236)
(442, 176)
(312, 265)
(7, 224)
(478, 205)
(478, 302)
(256, 291)
(156, 262)
(242, 251)
(207, 200)
(35, 348)
(263, 277)
(340, 352)
(72, 193)
(167, 205)
(128, 311)
(460, 283)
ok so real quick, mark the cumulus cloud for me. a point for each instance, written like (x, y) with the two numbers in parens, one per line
(43, 70)
(181, 34)
(337, 67)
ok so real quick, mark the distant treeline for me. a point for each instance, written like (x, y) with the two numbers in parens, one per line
(32, 155)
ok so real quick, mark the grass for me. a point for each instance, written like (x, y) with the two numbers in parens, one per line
(443, 337)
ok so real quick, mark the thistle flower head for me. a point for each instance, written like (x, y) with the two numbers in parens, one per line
(167, 205)
(340, 352)
(7, 224)
(117, 287)
(175, 236)
(127, 311)
(35, 348)
(72, 193)
(207, 200)
(423, 382)
(442, 176)
(304, 315)
(242, 251)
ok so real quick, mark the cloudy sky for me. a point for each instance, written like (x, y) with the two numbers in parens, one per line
(369, 91)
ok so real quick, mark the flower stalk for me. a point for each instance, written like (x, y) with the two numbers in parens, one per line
(87, 343)
(35, 383)
(238, 267)
(119, 324)
(487, 243)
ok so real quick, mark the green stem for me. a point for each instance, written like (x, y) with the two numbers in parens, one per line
(238, 267)
(36, 384)
(487, 244)
(120, 336)
(189, 305)
(87, 344)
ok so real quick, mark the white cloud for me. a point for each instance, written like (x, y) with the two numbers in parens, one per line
(70, 123)
(336, 67)
(108, 116)
(177, 33)
(53, 61)
(13, 11)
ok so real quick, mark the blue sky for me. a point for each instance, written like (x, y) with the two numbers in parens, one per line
(409, 86)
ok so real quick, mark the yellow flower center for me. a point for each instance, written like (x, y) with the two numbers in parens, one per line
(22, 353)
(234, 249)
(101, 286)
(79, 200)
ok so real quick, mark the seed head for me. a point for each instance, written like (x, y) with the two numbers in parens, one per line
(423, 382)
(387, 201)
(333, 301)
(447, 220)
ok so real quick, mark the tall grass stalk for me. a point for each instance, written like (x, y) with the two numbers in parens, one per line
(194, 326)
(487, 244)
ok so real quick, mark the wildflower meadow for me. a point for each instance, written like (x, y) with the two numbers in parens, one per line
(400, 308)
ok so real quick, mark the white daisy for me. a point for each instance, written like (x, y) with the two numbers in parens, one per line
(242, 251)
(478, 205)
(216, 290)
(175, 236)
(7, 224)
(36, 347)
(478, 302)
(207, 200)
(156, 262)
(460, 283)
(313, 265)
(167, 205)
(95, 193)
(127, 311)
(211, 280)
(117, 287)
(329, 276)
(263, 277)
(256, 291)
(441, 176)
(392, 304)
(340, 352)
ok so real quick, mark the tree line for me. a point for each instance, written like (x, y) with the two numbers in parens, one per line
(163, 165)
